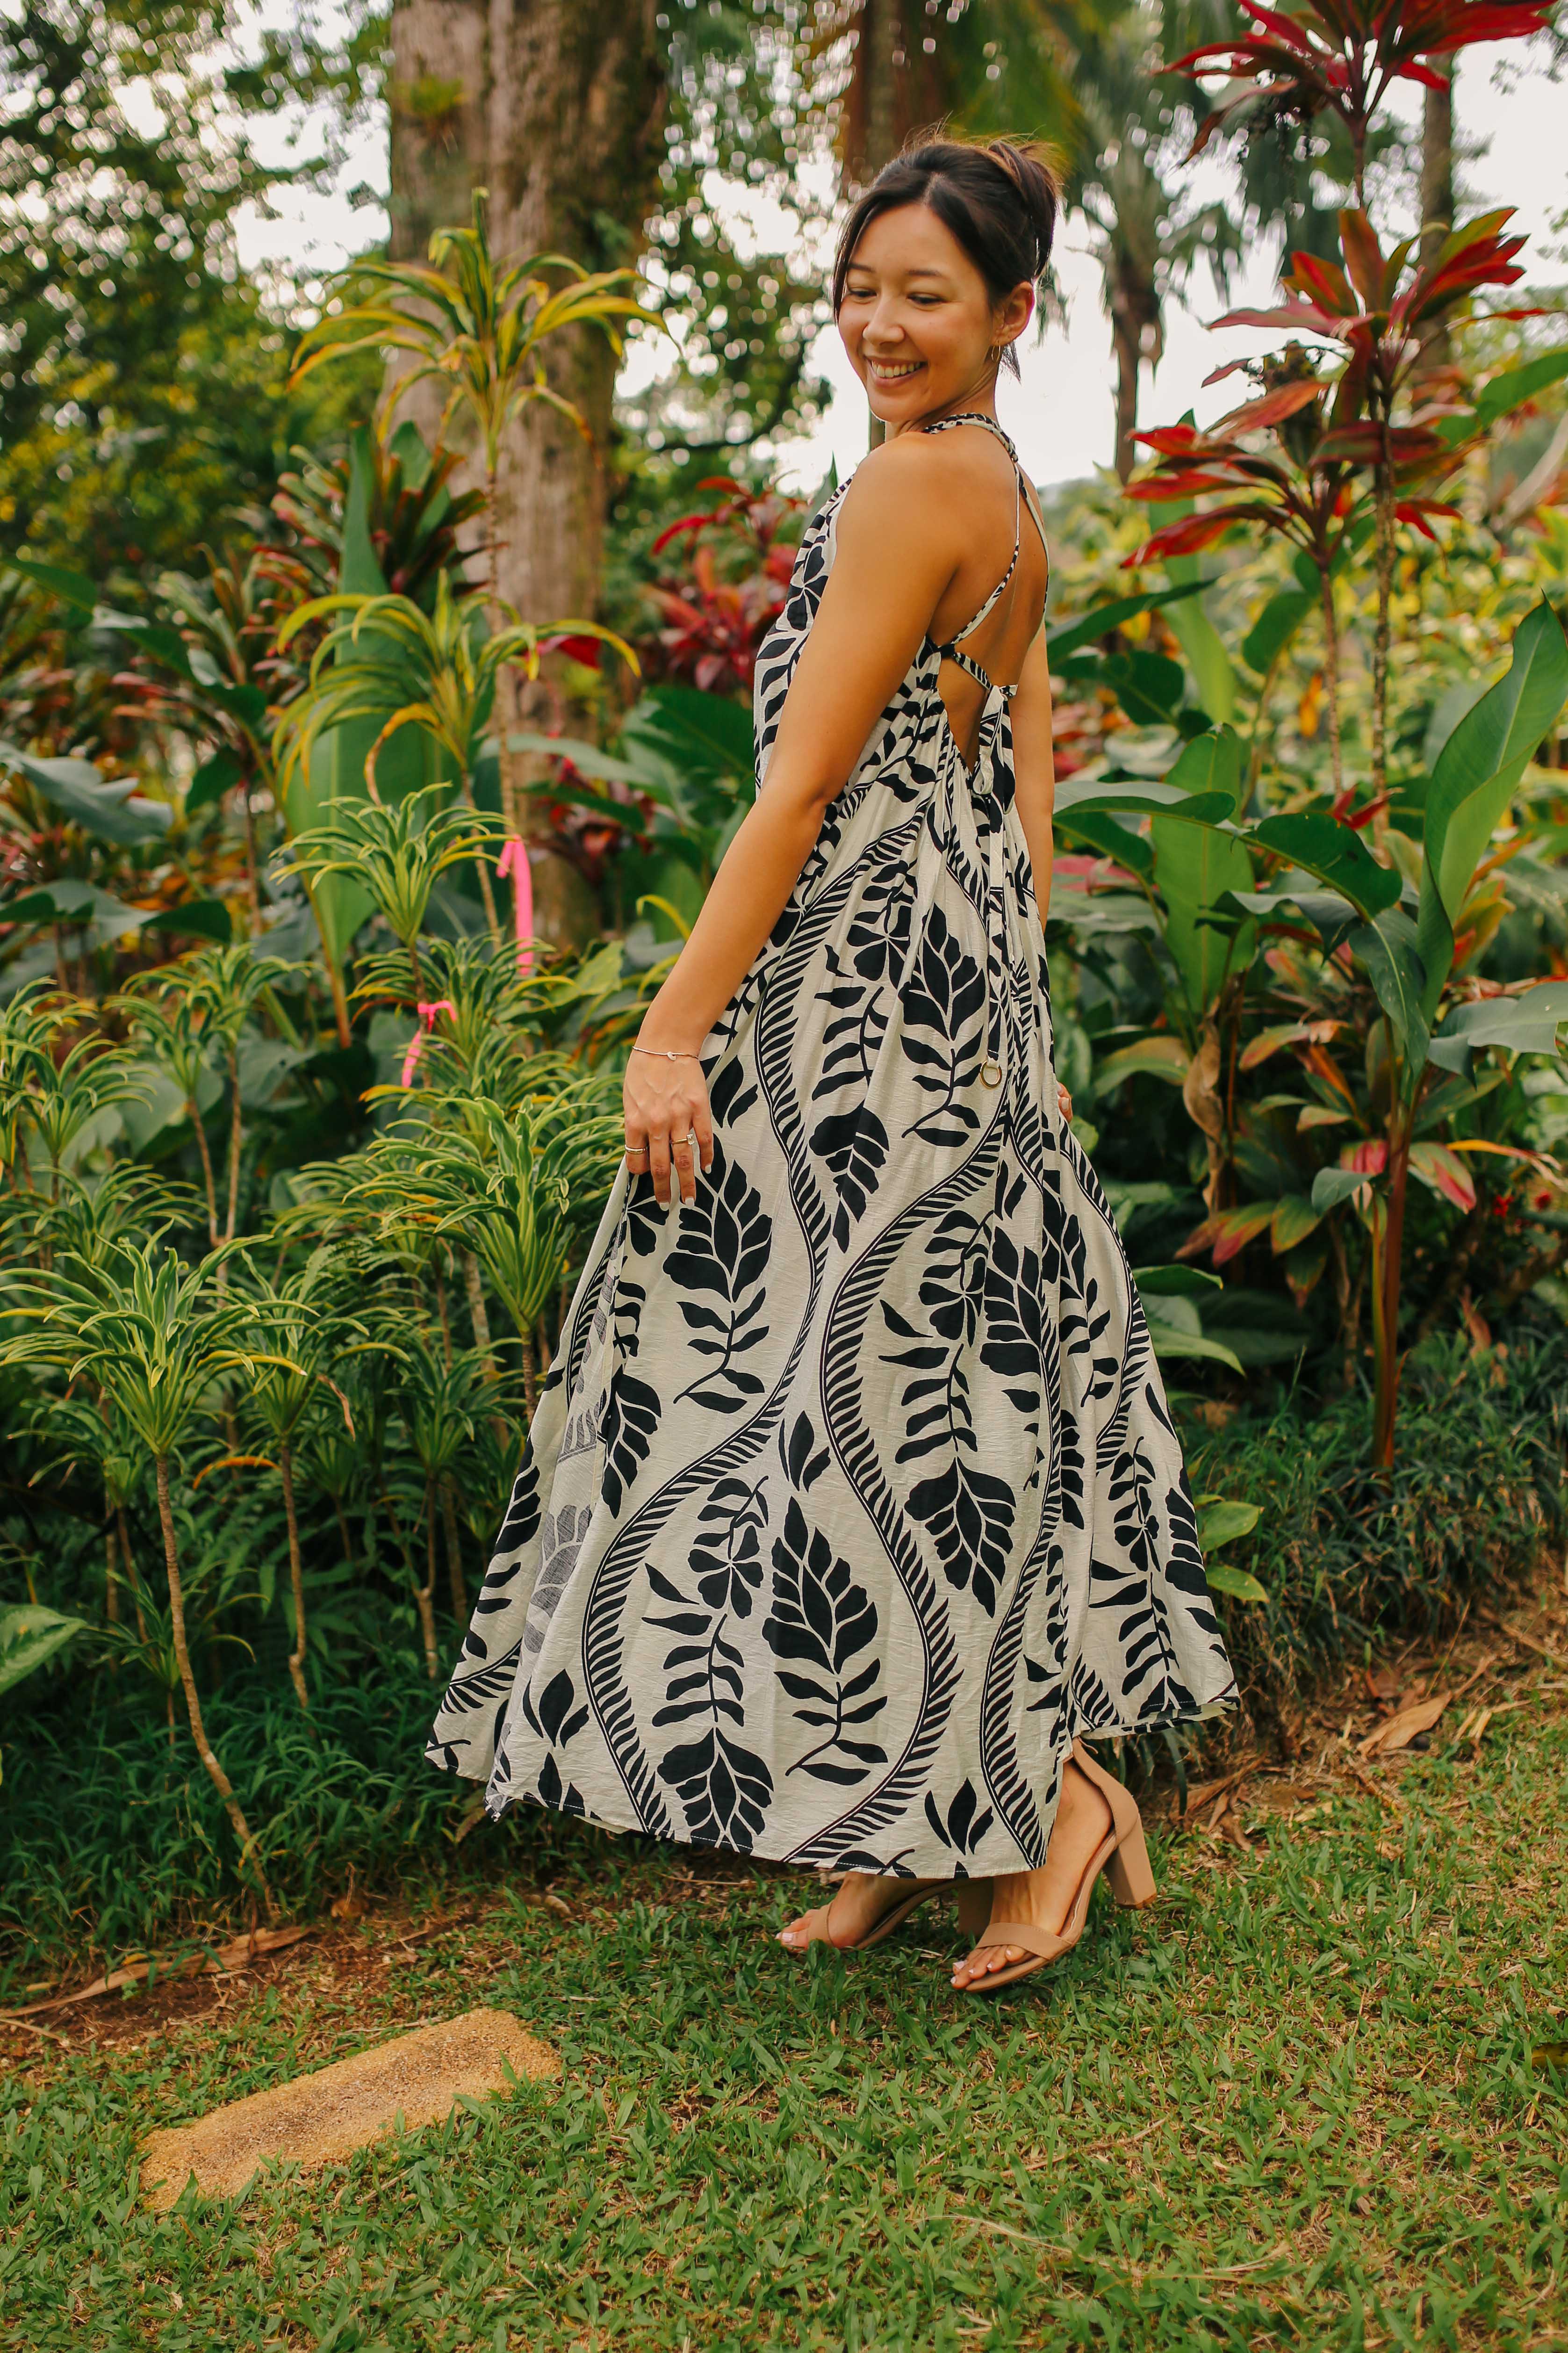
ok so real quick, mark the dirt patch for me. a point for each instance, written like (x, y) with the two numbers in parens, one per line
(322, 2118)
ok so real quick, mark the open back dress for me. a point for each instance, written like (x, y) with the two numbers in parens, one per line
(851, 1495)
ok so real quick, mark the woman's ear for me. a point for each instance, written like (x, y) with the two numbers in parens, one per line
(1014, 315)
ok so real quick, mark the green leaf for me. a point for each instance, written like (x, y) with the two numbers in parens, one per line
(1335, 853)
(707, 733)
(1163, 1057)
(1194, 866)
(70, 587)
(1477, 776)
(1101, 830)
(1201, 642)
(1392, 959)
(1275, 627)
(213, 779)
(197, 918)
(98, 913)
(1527, 1024)
(29, 1636)
(1091, 627)
(1176, 1282)
(1332, 1186)
(75, 787)
(1149, 687)
(1169, 1342)
(586, 758)
(1236, 1582)
(1220, 1523)
(1295, 1217)
(1149, 800)
(1514, 387)
(1211, 763)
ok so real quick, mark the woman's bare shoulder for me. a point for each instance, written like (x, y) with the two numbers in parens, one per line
(908, 488)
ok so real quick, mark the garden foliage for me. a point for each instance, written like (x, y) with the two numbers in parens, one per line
(303, 1129)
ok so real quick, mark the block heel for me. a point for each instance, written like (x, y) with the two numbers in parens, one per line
(1128, 1875)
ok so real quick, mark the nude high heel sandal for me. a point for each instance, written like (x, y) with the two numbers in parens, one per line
(1121, 1854)
(815, 1923)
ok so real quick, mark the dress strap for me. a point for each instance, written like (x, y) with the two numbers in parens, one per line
(953, 649)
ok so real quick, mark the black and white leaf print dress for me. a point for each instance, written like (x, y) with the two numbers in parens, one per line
(851, 1495)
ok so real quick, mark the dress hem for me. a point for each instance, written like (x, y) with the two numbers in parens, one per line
(1224, 1703)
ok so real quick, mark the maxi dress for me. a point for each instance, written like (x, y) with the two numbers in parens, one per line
(851, 1495)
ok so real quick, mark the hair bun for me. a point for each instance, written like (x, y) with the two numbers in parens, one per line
(1036, 173)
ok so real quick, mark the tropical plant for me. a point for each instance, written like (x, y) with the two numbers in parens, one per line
(398, 851)
(154, 1337)
(478, 327)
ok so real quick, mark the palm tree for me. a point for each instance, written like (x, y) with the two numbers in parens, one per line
(1148, 235)
(153, 1337)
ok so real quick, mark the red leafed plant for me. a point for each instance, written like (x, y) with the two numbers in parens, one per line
(740, 556)
(1327, 430)
(1343, 57)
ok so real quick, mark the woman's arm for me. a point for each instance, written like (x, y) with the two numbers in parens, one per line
(897, 551)
(1033, 766)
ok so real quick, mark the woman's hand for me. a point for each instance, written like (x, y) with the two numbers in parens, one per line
(1064, 1101)
(666, 1107)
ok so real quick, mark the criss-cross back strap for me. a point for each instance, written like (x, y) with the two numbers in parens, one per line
(952, 651)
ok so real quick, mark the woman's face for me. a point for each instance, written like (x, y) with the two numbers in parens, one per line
(917, 319)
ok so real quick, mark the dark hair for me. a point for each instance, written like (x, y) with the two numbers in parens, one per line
(998, 196)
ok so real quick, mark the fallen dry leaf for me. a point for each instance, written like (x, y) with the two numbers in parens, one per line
(1206, 1791)
(246, 1949)
(239, 1954)
(1401, 1729)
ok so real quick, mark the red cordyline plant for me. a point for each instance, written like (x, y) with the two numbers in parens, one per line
(1378, 307)
(1341, 57)
(1327, 430)
(715, 619)
(1305, 461)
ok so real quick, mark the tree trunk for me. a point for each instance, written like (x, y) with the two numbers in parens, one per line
(556, 107)
(205, 1749)
(296, 1577)
(1436, 200)
(425, 1595)
(1125, 338)
(897, 85)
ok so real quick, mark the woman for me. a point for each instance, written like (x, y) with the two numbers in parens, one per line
(852, 1500)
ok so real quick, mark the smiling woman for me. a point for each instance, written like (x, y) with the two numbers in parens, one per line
(852, 1499)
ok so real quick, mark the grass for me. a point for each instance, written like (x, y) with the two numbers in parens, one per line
(1295, 2105)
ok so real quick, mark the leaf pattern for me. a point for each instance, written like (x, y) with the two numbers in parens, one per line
(852, 1495)
(943, 1034)
(822, 1621)
(722, 1257)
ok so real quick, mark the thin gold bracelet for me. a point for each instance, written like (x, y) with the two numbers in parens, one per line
(664, 1055)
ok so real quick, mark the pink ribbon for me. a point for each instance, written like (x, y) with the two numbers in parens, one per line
(514, 862)
(426, 1023)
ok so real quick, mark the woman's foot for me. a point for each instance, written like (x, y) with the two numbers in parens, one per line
(1045, 1897)
(861, 1899)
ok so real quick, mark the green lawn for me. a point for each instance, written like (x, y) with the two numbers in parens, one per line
(1293, 2105)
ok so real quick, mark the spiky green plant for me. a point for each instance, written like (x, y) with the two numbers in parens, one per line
(478, 326)
(155, 1339)
(398, 851)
